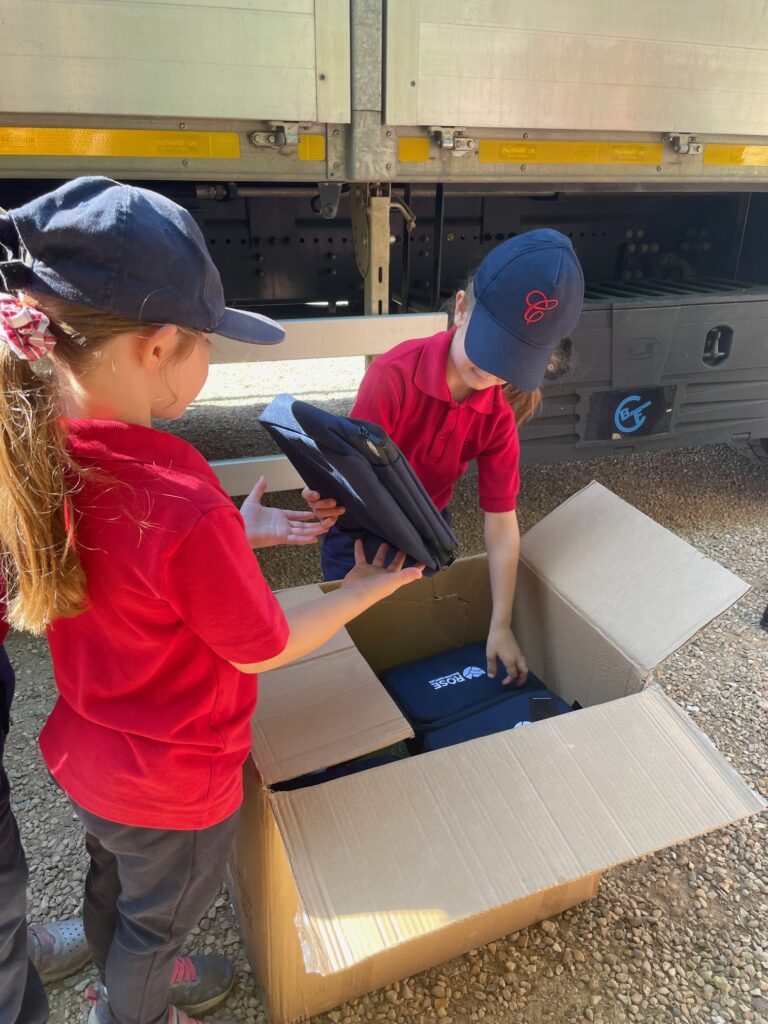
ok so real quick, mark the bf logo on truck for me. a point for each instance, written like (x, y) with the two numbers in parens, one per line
(629, 416)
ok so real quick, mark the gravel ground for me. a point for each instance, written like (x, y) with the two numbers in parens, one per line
(679, 936)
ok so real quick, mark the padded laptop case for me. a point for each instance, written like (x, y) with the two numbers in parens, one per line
(519, 709)
(360, 466)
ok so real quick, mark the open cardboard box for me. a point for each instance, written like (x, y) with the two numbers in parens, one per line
(350, 885)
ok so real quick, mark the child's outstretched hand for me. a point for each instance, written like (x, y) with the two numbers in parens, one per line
(376, 575)
(502, 646)
(326, 509)
(265, 527)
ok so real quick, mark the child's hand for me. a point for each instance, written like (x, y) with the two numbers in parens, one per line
(502, 645)
(326, 509)
(375, 575)
(265, 527)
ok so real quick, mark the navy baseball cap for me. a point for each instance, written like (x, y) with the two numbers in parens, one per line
(528, 294)
(122, 250)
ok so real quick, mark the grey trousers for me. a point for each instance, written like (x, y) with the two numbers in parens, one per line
(22, 996)
(145, 890)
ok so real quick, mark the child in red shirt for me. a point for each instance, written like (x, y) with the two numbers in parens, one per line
(460, 395)
(119, 542)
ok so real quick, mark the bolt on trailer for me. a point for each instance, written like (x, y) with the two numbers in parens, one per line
(360, 157)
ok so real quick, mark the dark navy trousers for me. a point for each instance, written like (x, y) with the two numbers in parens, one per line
(22, 996)
(146, 889)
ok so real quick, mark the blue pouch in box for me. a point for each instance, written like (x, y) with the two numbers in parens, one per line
(519, 709)
(449, 685)
(337, 771)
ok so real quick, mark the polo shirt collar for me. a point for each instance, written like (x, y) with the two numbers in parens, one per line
(430, 376)
(113, 441)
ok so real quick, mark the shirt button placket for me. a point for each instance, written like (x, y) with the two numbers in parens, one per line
(443, 435)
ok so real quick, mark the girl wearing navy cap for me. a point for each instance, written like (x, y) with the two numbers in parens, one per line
(461, 394)
(119, 543)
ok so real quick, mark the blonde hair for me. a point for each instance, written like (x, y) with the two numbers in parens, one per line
(39, 480)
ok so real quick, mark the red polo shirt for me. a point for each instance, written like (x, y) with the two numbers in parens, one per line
(406, 393)
(152, 724)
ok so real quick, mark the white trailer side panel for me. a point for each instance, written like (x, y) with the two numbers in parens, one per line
(698, 66)
(225, 59)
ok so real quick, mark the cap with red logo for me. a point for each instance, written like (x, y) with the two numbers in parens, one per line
(528, 295)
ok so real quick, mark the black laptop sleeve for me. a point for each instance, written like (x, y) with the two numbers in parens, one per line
(360, 466)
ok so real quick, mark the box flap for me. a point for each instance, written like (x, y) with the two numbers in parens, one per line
(406, 849)
(645, 589)
(449, 609)
(320, 711)
(567, 651)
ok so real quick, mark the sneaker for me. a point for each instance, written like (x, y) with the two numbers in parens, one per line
(57, 949)
(177, 1016)
(199, 983)
(97, 996)
(100, 1011)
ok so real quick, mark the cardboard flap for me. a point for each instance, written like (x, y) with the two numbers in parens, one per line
(565, 649)
(642, 587)
(449, 609)
(406, 849)
(322, 709)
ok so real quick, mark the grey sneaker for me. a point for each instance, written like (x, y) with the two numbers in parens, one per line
(199, 983)
(100, 1012)
(57, 949)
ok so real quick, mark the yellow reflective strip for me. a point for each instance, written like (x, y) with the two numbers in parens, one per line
(736, 156)
(525, 151)
(311, 147)
(120, 142)
(413, 150)
(630, 153)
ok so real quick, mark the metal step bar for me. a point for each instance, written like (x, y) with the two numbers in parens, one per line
(609, 291)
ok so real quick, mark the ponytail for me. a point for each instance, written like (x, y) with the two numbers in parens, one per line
(43, 576)
(524, 404)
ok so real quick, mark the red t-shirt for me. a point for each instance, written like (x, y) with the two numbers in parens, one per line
(405, 391)
(152, 724)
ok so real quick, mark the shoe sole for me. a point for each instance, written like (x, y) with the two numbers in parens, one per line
(51, 979)
(208, 1004)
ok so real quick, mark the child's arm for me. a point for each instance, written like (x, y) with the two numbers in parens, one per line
(502, 540)
(315, 622)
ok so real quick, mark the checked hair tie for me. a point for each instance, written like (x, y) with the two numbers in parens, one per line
(24, 329)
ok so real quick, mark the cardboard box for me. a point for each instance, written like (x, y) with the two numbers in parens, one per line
(350, 885)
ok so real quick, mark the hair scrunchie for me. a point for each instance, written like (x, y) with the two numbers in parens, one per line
(24, 329)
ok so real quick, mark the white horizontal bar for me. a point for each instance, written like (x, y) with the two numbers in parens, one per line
(332, 336)
(237, 476)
